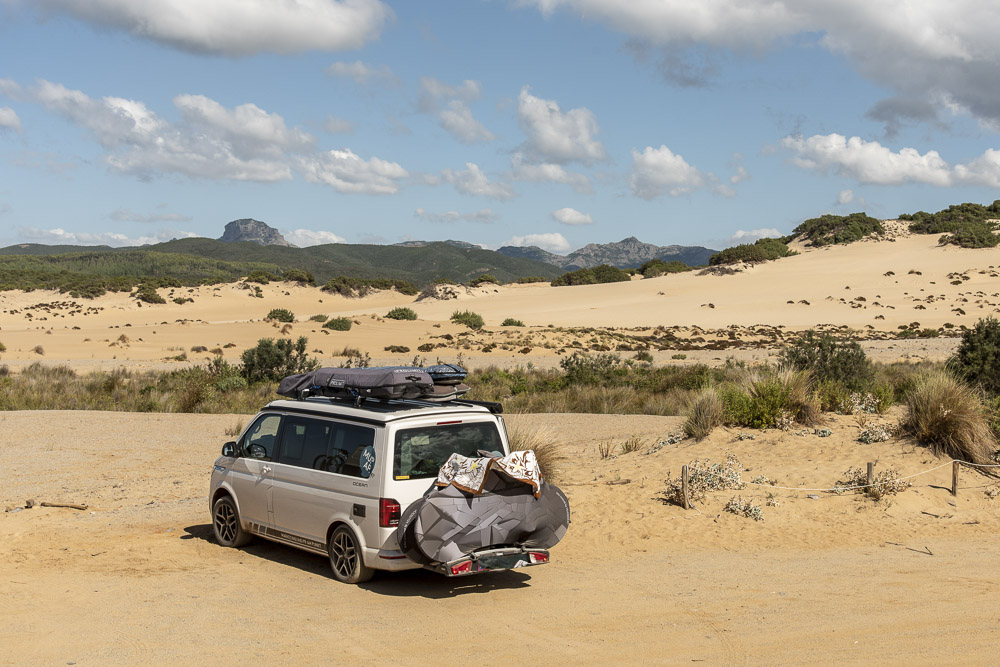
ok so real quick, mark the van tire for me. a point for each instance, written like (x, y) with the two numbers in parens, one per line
(226, 524)
(346, 559)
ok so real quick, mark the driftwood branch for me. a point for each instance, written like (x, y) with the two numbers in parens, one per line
(72, 506)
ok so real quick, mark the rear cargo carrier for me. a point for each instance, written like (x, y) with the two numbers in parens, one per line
(485, 514)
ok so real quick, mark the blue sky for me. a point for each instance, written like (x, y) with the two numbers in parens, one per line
(534, 122)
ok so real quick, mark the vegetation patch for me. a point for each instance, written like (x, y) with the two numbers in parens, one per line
(593, 276)
(339, 324)
(977, 359)
(763, 250)
(485, 279)
(967, 225)
(832, 229)
(468, 318)
(401, 313)
(659, 267)
(949, 417)
(360, 287)
(511, 322)
(281, 315)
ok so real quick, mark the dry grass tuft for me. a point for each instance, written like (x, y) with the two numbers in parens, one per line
(550, 454)
(949, 417)
(704, 413)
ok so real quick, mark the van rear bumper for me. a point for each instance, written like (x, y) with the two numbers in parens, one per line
(386, 559)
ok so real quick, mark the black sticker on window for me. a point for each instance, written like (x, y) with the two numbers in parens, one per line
(367, 463)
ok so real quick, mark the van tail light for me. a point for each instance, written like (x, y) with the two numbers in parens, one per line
(537, 557)
(388, 513)
(465, 567)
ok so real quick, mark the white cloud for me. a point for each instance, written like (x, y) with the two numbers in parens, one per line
(744, 236)
(305, 238)
(360, 72)
(472, 181)
(61, 236)
(245, 143)
(348, 173)
(741, 175)
(554, 136)
(571, 216)
(547, 172)
(9, 119)
(449, 104)
(335, 125)
(485, 215)
(237, 27)
(868, 161)
(127, 215)
(845, 197)
(984, 170)
(940, 51)
(553, 242)
(658, 171)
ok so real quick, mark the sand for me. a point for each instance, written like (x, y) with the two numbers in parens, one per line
(136, 578)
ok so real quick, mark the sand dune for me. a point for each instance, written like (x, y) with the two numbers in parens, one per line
(871, 287)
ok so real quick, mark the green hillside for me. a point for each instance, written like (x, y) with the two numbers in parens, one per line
(84, 271)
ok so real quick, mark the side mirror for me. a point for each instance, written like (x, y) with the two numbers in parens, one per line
(229, 449)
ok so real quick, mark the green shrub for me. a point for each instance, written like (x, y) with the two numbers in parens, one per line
(599, 274)
(281, 315)
(274, 359)
(952, 218)
(531, 279)
(359, 287)
(318, 318)
(511, 322)
(180, 301)
(261, 277)
(401, 313)
(977, 359)
(766, 397)
(704, 413)
(949, 417)
(658, 267)
(339, 324)
(584, 368)
(298, 276)
(485, 278)
(147, 293)
(830, 360)
(3, 348)
(397, 349)
(831, 229)
(644, 356)
(762, 250)
(468, 318)
(972, 236)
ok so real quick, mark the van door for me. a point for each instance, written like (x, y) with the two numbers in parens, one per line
(320, 479)
(252, 471)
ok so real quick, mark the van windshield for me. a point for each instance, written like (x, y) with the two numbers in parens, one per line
(420, 452)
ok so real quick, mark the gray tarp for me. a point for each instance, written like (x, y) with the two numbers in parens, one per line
(394, 382)
(448, 522)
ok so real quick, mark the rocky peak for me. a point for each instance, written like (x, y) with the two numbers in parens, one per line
(254, 231)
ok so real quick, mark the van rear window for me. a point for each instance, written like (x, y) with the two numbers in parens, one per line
(420, 452)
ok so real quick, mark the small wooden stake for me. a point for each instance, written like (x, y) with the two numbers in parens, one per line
(954, 477)
(684, 487)
(871, 474)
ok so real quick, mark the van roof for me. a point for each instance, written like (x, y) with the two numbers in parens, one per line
(373, 410)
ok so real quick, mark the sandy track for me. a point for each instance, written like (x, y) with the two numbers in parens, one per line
(137, 578)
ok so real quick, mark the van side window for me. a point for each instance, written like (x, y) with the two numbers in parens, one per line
(324, 445)
(260, 442)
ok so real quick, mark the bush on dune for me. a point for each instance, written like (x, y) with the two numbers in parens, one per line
(949, 417)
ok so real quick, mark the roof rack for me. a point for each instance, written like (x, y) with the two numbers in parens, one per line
(363, 402)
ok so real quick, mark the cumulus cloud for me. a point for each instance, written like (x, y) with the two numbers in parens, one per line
(305, 238)
(868, 161)
(237, 27)
(450, 105)
(571, 216)
(658, 171)
(244, 143)
(553, 242)
(64, 237)
(547, 172)
(485, 215)
(472, 181)
(943, 52)
(346, 172)
(744, 236)
(361, 73)
(845, 197)
(127, 215)
(556, 136)
(9, 120)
